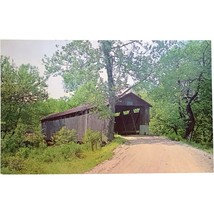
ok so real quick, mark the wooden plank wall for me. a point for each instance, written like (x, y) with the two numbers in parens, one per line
(80, 123)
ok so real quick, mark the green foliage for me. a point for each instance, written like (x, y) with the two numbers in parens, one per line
(21, 138)
(174, 136)
(94, 95)
(64, 136)
(13, 164)
(92, 138)
(203, 132)
(165, 118)
(60, 153)
(81, 64)
(34, 139)
(118, 139)
(21, 160)
(21, 88)
(65, 158)
(22, 92)
(183, 83)
(11, 143)
(205, 147)
(51, 105)
(24, 152)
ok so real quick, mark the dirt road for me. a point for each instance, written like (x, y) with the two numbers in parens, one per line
(147, 154)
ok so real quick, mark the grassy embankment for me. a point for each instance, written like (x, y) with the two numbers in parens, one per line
(202, 146)
(64, 159)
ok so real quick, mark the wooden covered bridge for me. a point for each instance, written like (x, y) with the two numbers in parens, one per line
(131, 117)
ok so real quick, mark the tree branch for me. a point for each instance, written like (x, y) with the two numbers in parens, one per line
(192, 98)
(128, 89)
(128, 43)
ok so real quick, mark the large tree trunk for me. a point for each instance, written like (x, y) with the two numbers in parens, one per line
(106, 48)
(190, 124)
(111, 121)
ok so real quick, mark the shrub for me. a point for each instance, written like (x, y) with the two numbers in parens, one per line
(60, 153)
(12, 163)
(92, 138)
(23, 153)
(32, 140)
(175, 137)
(71, 150)
(49, 155)
(11, 143)
(64, 136)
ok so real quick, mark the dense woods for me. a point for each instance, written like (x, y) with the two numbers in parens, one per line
(182, 95)
(174, 76)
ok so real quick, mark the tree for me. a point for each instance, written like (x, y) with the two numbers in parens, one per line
(80, 62)
(51, 105)
(184, 79)
(21, 89)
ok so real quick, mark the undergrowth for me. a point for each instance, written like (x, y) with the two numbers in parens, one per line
(202, 146)
(66, 158)
(205, 147)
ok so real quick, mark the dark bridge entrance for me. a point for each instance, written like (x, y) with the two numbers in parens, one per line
(132, 115)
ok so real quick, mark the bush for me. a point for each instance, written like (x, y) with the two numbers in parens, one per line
(92, 138)
(49, 155)
(23, 153)
(12, 163)
(12, 142)
(64, 136)
(32, 140)
(60, 153)
(175, 137)
(71, 150)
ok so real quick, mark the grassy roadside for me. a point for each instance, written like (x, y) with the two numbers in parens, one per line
(87, 159)
(203, 147)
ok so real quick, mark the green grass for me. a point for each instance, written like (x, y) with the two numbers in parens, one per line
(65, 159)
(205, 147)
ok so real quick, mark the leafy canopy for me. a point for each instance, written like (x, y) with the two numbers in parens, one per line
(21, 90)
(80, 62)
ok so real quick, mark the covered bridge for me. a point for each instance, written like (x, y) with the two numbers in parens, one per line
(131, 117)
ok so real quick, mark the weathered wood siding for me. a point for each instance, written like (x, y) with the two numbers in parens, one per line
(80, 123)
(131, 100)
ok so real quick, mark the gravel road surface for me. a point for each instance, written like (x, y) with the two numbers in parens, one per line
(152, 154)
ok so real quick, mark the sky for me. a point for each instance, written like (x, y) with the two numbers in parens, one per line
(32, 52)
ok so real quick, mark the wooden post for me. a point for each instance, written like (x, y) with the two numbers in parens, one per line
(86, 120)
(131, 113)
(147, 116)
(121, 114)
(142, 115)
